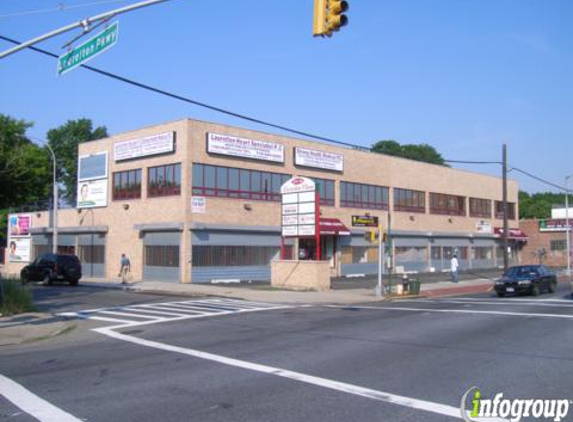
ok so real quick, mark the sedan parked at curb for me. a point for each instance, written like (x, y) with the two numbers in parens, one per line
(532, 279)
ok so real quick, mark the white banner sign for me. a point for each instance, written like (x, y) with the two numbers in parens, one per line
(19, 250)
(150, 145)
(198, 204)
(298, 184)
(246, 148)
(290, 231)
(484, 227)
(298, 207)
(318, 159)
(307, 230)
(92, 193)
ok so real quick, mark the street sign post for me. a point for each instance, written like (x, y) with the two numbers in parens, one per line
(88, 50)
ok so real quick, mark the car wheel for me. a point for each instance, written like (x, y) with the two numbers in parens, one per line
(500, 294)
(24, 278)
(552, 287)
(73, 282)
(535, 290)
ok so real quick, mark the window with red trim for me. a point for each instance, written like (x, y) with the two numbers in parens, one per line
(164, 180)
(127, 184)
(409, 200)
(358, 195)
(480, 208)
(441, 203)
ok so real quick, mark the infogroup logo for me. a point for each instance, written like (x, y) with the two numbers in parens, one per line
(500, 408)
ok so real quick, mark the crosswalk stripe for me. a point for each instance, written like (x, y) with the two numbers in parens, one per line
(175, 309)
(129, 315)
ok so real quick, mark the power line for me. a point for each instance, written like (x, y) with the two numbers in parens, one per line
(194, 102)
(539, 179)
(473, 162)
(61, 8)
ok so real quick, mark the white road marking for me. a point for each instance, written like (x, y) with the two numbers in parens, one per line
(454, 311)
(499, 302)
(356, 390)
(32, 404)
(171, 311)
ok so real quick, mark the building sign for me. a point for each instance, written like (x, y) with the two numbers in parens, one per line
(484, 227)
(19, 237)
(92, 193)
(364, 221)
(554, 225)
(92, 166)
(298, 207)
(246, 148)
(318, 159)
(198, 204)
(142, 147)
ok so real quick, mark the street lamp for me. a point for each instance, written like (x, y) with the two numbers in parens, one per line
(567, 230)
(55, 207)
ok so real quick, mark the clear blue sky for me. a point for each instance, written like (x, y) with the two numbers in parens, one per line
(462, 75)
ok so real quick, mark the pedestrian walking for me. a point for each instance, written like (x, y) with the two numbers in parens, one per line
(454, 268)
(124, 268)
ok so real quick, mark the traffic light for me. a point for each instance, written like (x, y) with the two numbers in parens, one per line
(371, 236)
(335, 19)
(329, 17)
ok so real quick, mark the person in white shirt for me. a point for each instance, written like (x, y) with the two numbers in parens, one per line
(454, 268)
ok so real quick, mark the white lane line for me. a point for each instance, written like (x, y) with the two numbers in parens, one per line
(32, 404)
(133, 315)
(122, 321)
(356, 390)
(505, 303)
(454, 311)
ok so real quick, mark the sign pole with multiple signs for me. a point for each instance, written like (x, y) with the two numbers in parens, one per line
(300, 211)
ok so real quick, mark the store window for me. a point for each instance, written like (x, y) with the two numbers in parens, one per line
(447, 204)
(480, 208)
(127, 184)
(358, 195)
(558, 245)
(228, 182)
(161, 256)
(409, 200)
(164, 180)
(499, 210)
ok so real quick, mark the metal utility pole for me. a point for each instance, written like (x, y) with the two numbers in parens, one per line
(84, 23)
(567, 229)
(504, 206)
(55, 205)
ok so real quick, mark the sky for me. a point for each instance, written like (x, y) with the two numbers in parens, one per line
(464, 76)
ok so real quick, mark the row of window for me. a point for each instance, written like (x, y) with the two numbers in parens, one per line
(228, 182)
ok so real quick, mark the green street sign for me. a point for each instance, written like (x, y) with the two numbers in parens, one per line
(88, 50)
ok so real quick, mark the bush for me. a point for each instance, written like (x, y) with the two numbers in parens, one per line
(15, 298)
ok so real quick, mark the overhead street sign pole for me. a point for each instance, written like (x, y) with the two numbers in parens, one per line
(85, 24)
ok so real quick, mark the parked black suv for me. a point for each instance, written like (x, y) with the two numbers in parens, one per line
(50, 267)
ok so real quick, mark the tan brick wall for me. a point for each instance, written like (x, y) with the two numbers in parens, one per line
(538, 240)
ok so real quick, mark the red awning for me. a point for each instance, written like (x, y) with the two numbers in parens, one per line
(514, 234)
(333, 226)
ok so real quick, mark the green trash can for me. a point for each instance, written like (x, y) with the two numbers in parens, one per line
(414, 286)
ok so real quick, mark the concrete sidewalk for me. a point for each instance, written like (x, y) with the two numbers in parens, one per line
(266, 293)
(33, 326)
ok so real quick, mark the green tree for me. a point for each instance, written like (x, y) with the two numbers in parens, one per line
(25, 169)
(64, 141)
(418, 152)
(539, 204)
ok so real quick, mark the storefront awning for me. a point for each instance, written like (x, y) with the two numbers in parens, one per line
(333, 226)
(514, 234)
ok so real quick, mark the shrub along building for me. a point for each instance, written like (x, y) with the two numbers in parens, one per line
(191, 201)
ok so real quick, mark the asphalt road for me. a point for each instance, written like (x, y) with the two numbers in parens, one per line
(179, 359)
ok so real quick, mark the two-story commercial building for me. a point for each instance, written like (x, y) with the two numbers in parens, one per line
(191, 201)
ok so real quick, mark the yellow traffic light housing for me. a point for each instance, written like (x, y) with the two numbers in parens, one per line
(329, 17)
(335, 19)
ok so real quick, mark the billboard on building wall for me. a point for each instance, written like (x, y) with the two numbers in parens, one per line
(142, 147)
(245, 148)
(92, 193)
(318, 159)
(19, 237)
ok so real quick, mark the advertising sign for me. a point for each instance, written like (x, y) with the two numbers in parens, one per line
(92, 193)
(19, 225)
(19, 249)
(484, 227)
(298, 184)
(318, 159)
(198, 204)
(364, 221)
(554, 225)
(142, 147)
(92, 166)
(246, 148)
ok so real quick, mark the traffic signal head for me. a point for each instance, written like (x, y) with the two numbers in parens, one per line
(319, 22)
(335, 19)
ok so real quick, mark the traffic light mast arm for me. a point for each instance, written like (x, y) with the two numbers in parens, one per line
(84, 23)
